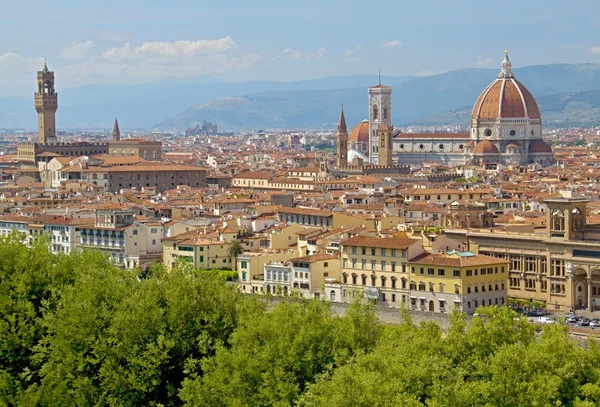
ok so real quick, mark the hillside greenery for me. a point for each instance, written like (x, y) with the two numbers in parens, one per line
(77, 331)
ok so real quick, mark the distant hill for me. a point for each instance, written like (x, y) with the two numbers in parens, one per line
(412, 100)
(142, 106)
(570, 109)
(177, 103)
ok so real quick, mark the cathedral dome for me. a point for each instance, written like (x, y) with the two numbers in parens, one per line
(485, 147)
(505, 98)
(540, 146)
(360, 133)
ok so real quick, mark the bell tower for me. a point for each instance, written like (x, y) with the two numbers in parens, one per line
(46, 105)
(380, 114)
(342, 142)
(386, 146)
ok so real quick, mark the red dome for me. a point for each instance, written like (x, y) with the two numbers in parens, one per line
(505, 98)
(360, 133)
(485, 147)
(539, 146)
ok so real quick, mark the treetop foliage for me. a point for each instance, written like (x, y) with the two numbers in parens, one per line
(76, 330)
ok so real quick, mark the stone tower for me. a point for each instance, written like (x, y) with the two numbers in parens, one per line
(116, 135)
(46, 104)
(380, 114)
(386, 146)
(342, 142)
(566, 216)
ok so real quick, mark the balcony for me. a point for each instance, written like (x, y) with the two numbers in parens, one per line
(103, 244)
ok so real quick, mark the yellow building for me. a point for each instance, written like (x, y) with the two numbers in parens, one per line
(377, 267)
(558, 265)
(194, 248)
(441, 281)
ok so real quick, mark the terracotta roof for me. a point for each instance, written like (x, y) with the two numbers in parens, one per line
(505, 98)
(437, 259)
(410, 136)
(313, 258)
(485, 147)
(255, 175)
(360, 133)
(152, 167)
(379, 242)
(539, 146)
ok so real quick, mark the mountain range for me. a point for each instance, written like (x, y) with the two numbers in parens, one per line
(567, 94)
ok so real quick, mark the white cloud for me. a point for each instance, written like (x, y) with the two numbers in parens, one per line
(351, 54)
(594, 50)
(176, 49)
(290, 53)
(76, 50)
(483, 60)
(427, 72)
(17, 73)
(391, 44)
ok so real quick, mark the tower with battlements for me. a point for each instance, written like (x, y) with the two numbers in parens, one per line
(46, 105)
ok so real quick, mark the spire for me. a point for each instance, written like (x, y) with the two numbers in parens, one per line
(506, 68)
(342, 129)
(116, 132)
(45, 70)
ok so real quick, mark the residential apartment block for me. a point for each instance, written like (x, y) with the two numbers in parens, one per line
(440, 282)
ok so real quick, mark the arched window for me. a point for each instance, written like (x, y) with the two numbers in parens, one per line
(332, 295)
(383, 281)
(375, 112)
(145, 155)
(354, 279)
(364, 279)
(94, 176)
(385, 113)
(345, 278)
(154, 155)
(373, 280)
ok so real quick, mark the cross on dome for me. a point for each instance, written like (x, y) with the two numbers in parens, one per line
(506, 68)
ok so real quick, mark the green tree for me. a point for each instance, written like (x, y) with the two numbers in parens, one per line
(275, 355)
(234, 250)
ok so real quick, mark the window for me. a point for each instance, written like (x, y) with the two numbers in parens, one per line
(353, 250)
(393, 266)
(364, 279)
(456, 273)
(345, 263)
(431, 272)
(441, 272)
(393, 297)
(382, 252)
(393, 253)
(353, 263)
(393, 282)
(373, 280)
(373, 264)
(469, 273)
(372, 252)
(364, 250)
(364, 264)
(422, 271)
(383, 266)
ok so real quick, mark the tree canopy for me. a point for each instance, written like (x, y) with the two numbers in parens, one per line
(76, 330)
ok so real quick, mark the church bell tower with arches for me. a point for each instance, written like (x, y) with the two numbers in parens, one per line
(380, 115)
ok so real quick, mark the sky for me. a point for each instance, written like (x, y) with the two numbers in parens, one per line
(138, 41)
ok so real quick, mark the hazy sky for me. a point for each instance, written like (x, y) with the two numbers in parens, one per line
(135, 41)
